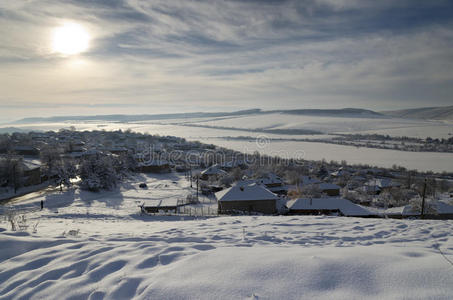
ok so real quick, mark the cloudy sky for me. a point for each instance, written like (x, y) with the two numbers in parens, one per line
(163, 56)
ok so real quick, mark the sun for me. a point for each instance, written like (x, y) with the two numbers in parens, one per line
(69, 39)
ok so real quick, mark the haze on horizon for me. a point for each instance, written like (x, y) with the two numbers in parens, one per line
(83, 57)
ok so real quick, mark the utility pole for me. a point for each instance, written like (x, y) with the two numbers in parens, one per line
(423, 200)
(14, 178)
(197, 188)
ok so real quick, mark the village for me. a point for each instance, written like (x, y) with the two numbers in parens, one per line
(210, 180)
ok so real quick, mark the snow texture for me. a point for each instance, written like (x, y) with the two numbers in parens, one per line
(98, 246)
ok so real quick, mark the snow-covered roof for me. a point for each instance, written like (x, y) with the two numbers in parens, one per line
(401, 210)
(346, 207)
(328, 186)
(442, 207)
(244, 191)
(24, 148)
(28, 165)
(382, 183)
(306, 180)
(340, 172)
(154, 162)
(270, 178)
(358, 178)
(213, 170)
(369, 189)
(278, 188)
(231, 164)
(117, 148)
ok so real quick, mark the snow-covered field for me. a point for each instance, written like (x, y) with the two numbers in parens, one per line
(333, 124)
(98, 246)
(422, 161)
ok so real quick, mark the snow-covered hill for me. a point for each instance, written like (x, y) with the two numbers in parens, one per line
(325, 124)
(98, 246)
(432, 113)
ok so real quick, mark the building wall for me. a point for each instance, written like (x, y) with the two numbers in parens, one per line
(260, 206)
(332, 192)
(313, 211)
(33, 177)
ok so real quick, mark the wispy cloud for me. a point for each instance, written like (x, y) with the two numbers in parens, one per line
(241, 54)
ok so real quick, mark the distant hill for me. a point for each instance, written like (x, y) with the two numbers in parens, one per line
(135, 118)
(345, 112)
(431, 113)
(12, 129)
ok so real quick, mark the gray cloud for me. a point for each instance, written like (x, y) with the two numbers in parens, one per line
(378, 54)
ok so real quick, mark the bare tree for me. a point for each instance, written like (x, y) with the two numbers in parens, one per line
(11, 171)
(50, 160)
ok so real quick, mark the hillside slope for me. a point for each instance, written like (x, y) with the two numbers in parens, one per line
(431, 113)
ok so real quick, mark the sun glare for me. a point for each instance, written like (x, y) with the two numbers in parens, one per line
(70, 39)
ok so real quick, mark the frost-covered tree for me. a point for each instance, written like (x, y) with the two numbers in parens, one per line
(50, 161)
(66, 170)
(11, 172)
(98, 173)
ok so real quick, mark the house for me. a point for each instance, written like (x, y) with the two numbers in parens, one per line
(181, 168)
(211, 189)
(329, 188)
(273, 183)
(355, 182)
(77, 146)
(443, 210)
(228, 165)
(26, 150)
(118, 150)
(213, 171)
(340, 173)
(326, 206)
(376, 186)
(154, 166)
(401, 212)
(247, 197)
(32, 172)
(308, 180)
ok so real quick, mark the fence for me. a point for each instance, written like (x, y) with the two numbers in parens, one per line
(197, 211)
